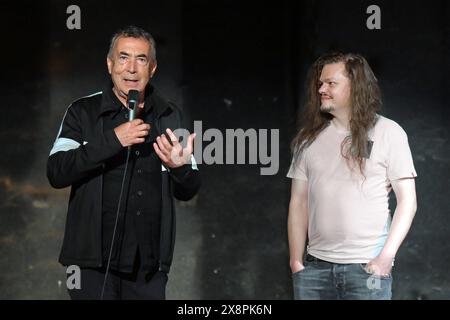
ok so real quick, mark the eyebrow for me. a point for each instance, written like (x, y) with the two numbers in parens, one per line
(328, 80)
(123, 53)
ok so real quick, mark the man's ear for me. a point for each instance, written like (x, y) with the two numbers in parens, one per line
(153, 69)
(109, 63)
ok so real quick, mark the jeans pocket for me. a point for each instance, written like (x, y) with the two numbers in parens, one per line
(299, 272)
(362, 267)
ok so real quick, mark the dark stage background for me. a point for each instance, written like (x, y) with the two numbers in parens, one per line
(230, 64)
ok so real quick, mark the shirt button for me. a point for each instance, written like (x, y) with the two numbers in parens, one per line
(138, 213)
(137, 153)
(126, 115)
(139, 170)
(139, 193)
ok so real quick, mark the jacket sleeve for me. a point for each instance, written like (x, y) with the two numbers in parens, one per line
(73, 159)
(186, 180)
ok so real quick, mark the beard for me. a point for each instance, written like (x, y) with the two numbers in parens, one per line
(326, 108)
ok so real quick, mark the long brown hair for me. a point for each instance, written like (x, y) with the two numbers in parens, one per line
(365, 98)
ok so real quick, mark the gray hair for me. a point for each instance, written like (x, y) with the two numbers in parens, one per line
(133, 32)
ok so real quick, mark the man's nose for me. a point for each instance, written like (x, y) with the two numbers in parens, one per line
(322, 88)
(132, 66)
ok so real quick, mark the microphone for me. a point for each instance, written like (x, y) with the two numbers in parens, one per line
(132, 102)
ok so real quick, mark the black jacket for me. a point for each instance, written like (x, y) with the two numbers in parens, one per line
(77, 160)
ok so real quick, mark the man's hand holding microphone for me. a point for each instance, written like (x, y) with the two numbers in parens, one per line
(170, 151)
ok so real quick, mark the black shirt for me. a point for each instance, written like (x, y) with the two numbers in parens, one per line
(138, 228)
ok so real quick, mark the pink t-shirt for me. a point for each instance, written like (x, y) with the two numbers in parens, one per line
(348, 218)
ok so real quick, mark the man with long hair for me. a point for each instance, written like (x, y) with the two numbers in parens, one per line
(346, 160)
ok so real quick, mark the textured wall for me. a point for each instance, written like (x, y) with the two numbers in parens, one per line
(230, 66)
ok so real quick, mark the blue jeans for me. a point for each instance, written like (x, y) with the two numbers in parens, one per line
(321, 280)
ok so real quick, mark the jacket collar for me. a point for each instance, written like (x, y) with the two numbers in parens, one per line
(111, 103)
